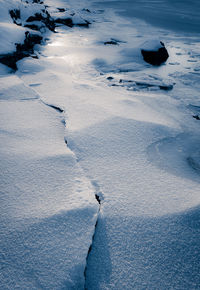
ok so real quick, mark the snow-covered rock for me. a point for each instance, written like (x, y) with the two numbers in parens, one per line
(10, 35)
(154, 52)
(18, 39)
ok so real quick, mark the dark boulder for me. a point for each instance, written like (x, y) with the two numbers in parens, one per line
(155, 52)
(32, 26)
(30, 40)
(65, 21)
(36, 17)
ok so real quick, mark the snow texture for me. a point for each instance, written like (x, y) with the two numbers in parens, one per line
(132, 141)
(48, 207)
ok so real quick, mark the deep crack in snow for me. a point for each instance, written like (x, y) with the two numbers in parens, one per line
(99, 197)
(93, 237)
(60, 110)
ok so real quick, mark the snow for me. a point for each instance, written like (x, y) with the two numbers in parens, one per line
(6, 6)
(129, 140)
(10, 35)
(152, 45)
(9, 32)
(48, 206)
(28, 10)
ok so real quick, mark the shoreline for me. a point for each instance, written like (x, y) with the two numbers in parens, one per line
(159, 14)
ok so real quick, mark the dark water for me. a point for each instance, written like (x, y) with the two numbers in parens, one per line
(175, 15)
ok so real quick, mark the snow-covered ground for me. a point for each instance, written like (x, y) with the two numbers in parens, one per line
(132, 134)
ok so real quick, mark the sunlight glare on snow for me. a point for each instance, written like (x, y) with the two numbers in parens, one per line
(72, 59)
(56, 43)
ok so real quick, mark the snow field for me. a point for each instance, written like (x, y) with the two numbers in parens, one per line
(48, 207)
(128, 143)
(136, 145)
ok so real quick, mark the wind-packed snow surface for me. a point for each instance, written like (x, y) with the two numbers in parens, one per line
(132, 134)
(48, 208)
(48, 205)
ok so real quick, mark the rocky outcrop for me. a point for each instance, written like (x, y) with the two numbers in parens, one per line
(35, 16)
(22, 50)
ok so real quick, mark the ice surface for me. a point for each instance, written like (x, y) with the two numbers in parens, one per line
(180, 16)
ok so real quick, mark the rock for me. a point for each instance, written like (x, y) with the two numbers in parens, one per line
(65, 21)
(61, 9)
(73, 21)
(33, 1)
(154, 52)
(9, 60)
(38, 1)
(196, 117)
(46, 19)
(30, 41)
(32, 26)
(22, 50)
(16, 16)
(111, 42)
(166, 87)
(110, 78)
(36, 17)
(86, 10)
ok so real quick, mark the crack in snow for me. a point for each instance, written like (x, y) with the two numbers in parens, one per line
(60, 110)
(97, 192)
(99, 197)
(93, 237)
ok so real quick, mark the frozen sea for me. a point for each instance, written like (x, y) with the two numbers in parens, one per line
(175, 15)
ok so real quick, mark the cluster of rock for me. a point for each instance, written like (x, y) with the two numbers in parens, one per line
(22, 50)
(38, 19)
